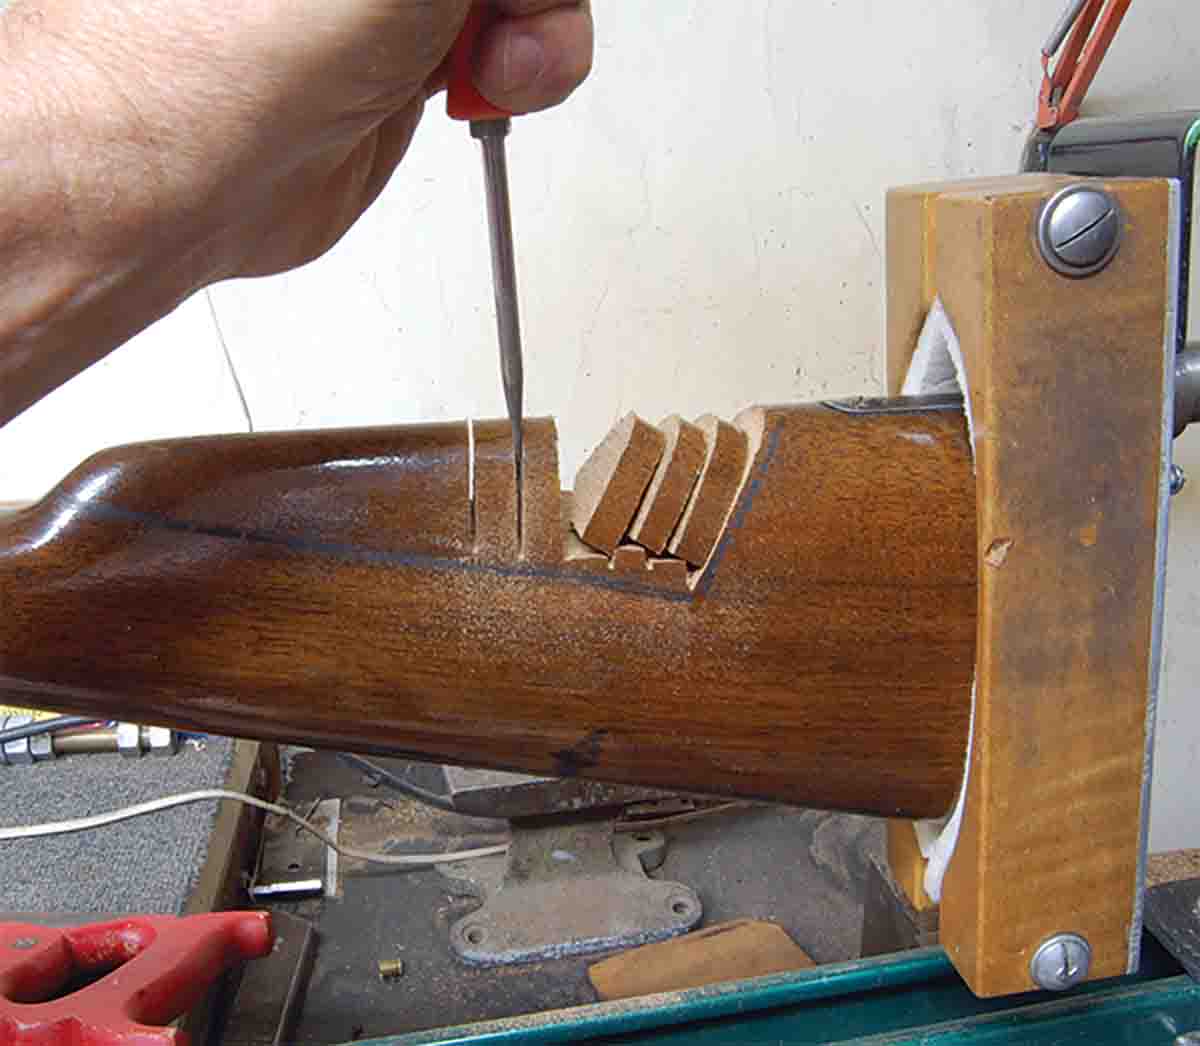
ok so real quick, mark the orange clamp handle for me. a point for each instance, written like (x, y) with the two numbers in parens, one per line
(463, 100)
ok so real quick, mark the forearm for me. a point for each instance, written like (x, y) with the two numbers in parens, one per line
(92, 247)
(149, 149)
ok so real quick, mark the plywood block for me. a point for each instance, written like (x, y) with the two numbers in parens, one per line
(906, 864)
(911, 226)
(729, 951)
(1066, 380)
(727, 449)
(495, 504)
(669, 490)
(610, 484)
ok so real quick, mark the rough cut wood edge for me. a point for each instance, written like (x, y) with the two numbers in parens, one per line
(669, 490)
(610, 483)
(708, 508)
(907, 865)
(1051, 834)
(753, 422)
(730, 951)
(911, 227)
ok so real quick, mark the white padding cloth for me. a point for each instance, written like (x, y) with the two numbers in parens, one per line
(937, 367)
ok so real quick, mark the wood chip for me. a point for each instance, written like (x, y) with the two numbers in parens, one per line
(669, 490)
(610, 484)
(629, 559)
(712, 498)
(729, 951)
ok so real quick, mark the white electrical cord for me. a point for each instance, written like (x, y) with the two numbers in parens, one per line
(428, 860)
(83, 824)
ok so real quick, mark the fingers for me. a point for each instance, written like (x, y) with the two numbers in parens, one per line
(536, 57)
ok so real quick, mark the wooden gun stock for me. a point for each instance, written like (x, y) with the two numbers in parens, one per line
(363, 589)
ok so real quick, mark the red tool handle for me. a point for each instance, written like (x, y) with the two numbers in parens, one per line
(463, 101)
(156, 968)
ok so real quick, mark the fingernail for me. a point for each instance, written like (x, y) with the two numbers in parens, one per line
(524, 62)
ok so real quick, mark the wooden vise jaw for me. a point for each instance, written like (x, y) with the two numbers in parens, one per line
(1069, 384)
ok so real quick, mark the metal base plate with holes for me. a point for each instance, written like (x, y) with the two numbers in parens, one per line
(294, 863)
(569, 889)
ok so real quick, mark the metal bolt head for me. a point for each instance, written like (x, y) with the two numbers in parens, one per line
(1178, 480)
(161, 740)
(41, 747)
(129, 740)
(17, 752)
(1061, 962)
(1079, 230)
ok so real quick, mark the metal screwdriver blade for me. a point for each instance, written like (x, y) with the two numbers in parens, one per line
(491, 135)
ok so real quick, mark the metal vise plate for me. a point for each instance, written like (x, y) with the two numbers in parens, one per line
(568, 889)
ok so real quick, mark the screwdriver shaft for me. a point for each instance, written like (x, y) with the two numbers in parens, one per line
(491, 135)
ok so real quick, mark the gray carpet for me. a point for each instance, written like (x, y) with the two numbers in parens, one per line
(147, 865)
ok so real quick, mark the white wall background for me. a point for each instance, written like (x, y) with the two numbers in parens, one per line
(700, 228)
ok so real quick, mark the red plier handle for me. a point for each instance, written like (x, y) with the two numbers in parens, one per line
(463, 100)
(1092, 25)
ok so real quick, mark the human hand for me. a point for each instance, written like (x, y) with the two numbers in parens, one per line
(251, 134)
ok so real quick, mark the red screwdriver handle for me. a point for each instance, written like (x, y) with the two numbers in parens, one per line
(463, 101)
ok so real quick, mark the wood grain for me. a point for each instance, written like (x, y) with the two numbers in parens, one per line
(1066, 380)
(300, 587)
(669, 490)
(611, 482)
(731, 951)
(711, 500)
(493, 512)
(911, 265)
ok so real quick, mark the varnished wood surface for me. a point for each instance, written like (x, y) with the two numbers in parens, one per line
(338, 589)
(1066, 382)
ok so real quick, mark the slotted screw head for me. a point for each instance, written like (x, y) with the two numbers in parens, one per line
(1178, 482)
(1061, 962)
(1079, 230)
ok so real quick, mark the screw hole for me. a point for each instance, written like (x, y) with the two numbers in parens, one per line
(680, 907)
(643, 838)
(473, 934)
(293, 866)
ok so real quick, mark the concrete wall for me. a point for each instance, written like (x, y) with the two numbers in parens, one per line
(700, 228)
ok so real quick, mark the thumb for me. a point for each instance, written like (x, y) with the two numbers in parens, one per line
(534, 61)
